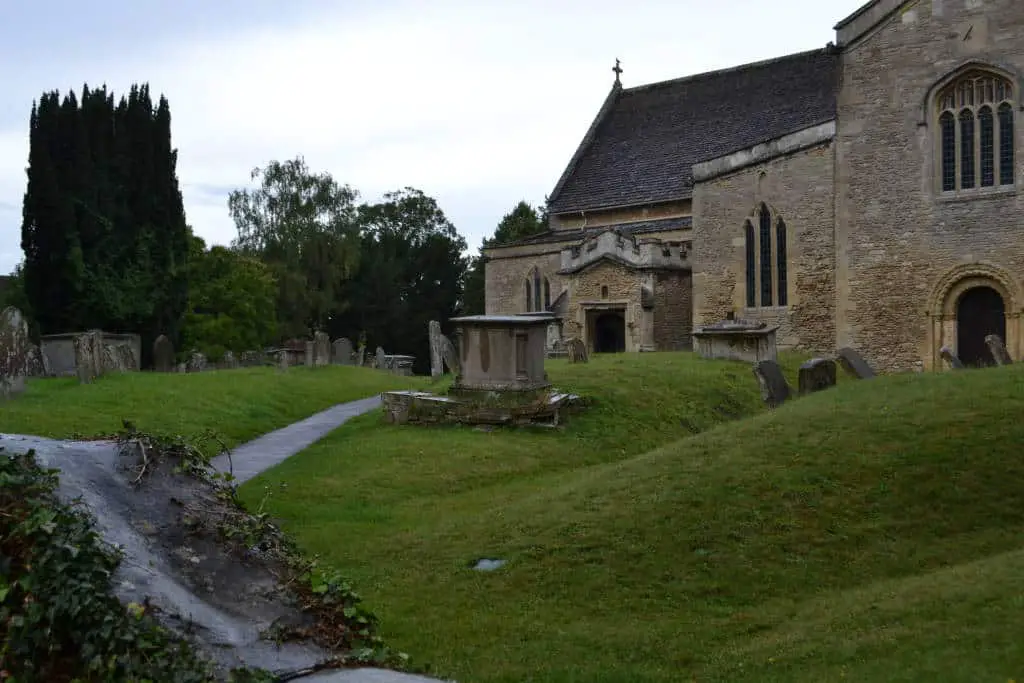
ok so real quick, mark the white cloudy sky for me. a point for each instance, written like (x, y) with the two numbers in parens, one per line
(478, 103)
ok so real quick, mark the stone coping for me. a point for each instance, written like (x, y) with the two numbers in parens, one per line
(503, 320)
(738, 331)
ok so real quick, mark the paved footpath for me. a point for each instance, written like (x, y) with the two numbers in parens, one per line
(262, 453)
(250, 459)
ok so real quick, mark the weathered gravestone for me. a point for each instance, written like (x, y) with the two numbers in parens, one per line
(774, 389)
(163, 354)
(196, 362)
(249, 359)
(854, 364)
(577, 350)
(816, 374)
(951, 358)
(228, 361)
(436, 349)
(282, 360)
(381, 359)
(998, 350)
(88, 356)
(361, 355)
(310, 352)
(14, 348)
(342, 351)
(36, 363)
(450, 355)
(321, 349)
(118, 358)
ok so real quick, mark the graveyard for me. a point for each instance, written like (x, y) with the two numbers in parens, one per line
(678, 524)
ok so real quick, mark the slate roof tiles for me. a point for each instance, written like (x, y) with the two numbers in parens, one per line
(643, 148)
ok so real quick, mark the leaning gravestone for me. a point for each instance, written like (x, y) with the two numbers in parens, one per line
(577, 350)
(163, 354)
(342, 351)
(14, 349)
(998, 350)
(381, 358)
(436, 349)
(816, 374)
(854, 364)
(951, 358)
(449, 355)
(774, 389)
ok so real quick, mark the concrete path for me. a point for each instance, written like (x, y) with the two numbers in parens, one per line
(262, 453)
(250, 459)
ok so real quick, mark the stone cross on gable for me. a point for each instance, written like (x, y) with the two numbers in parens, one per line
(617, 69)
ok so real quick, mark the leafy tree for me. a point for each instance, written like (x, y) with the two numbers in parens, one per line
(521, 222)
(305, 226)
(103, 224)
(411, 271)
(232, 301)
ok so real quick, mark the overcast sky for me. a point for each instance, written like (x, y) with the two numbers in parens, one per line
(477, 103)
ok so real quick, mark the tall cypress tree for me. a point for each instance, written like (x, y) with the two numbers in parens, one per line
(103, 224)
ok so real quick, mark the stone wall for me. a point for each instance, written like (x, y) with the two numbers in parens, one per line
(905, 249)
(673, 311)
(505, 278)
(797, 187)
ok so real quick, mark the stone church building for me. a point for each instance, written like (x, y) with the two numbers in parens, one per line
(866, 194)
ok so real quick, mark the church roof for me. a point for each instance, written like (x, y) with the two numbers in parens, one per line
(642, 147)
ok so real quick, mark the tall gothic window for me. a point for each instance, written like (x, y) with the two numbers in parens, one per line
(529, 297)
(538, 298)
(765, 260)
(976, 143)
(751, 247)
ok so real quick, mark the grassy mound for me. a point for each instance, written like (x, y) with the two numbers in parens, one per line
(872, 532)
(238, 404)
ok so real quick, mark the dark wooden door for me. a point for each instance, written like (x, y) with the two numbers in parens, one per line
(980, 312)
(610, 333)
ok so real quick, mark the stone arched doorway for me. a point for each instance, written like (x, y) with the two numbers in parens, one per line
(969, 302)
(610, 332)
(980, 311)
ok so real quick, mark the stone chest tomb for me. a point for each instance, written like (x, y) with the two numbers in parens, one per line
(501, 353)
(737, 340)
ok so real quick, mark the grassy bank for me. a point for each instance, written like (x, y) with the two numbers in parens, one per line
(240, 404)
(679, 532)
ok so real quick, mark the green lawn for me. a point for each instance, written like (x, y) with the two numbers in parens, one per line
(874, 532)
(239, 404)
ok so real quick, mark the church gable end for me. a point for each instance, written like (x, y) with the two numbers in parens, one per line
(642, 148)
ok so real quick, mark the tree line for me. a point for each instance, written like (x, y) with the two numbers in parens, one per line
(107, 245)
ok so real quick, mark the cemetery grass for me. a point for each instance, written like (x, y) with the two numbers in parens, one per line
(238, 404)
(872, 532)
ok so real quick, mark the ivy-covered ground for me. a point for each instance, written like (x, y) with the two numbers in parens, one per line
(196, 589)
(678, 531)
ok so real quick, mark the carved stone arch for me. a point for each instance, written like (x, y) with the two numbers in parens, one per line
(996, 68)
(957, 280)
(944, 301)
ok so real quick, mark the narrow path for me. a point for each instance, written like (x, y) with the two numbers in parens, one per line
(256, 456)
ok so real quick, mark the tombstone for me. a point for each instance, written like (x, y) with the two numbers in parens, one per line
(36, 363)
(998, 350)
(449, 355)
(282, 359)
(163, 354)
(88, 356)
(816, 374)
(854, 364)
(181, 368)
(361, 355)
(228, 361)
(196, 362)
(577, 350)
(321, 349)
(14, 350)
(774, 389)
(248, 359)
(342, 351)
(381, 359)
(436, 349)
(118, 358)
(310, 352)
(951, 358)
